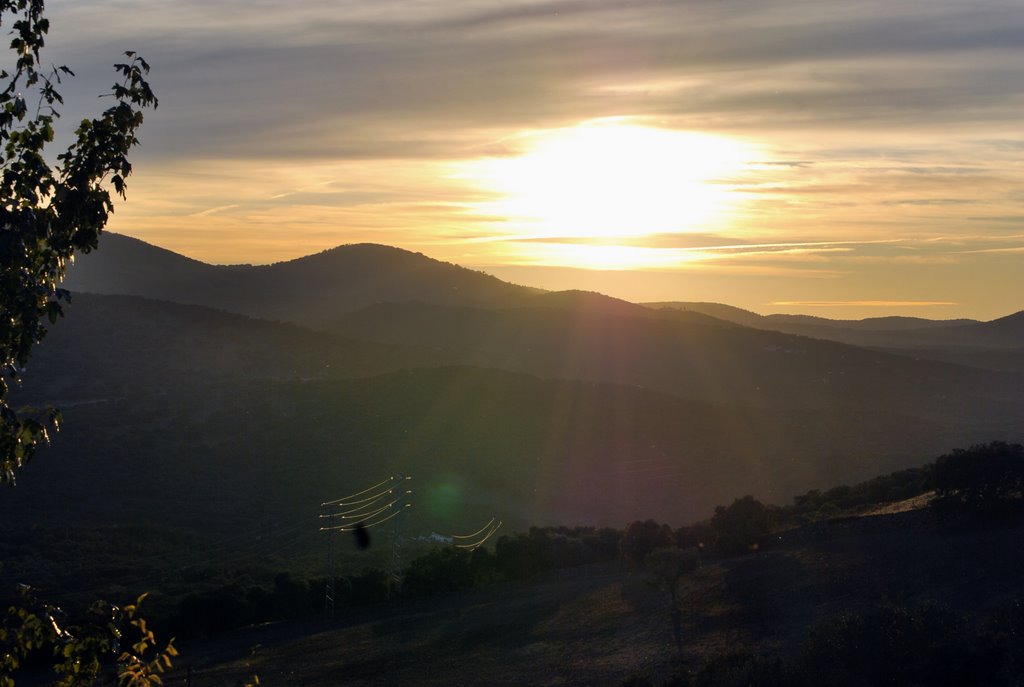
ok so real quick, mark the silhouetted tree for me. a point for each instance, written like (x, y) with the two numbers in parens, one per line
(741, 526)
(47, 213)
(698, 535)
(667, 568)
(640, 538)
(442, 570)
(526, 554)
(985, 478)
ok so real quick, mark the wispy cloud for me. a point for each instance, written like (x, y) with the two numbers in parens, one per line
(864, 304)
(430, 79)
(211, 211)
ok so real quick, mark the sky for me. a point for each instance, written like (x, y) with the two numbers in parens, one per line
(842, 159)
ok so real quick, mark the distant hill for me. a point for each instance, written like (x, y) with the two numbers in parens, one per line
(719, 311)
(199, 438)
(868, 324)
(127, 266)
(501, 388)
(807, 325)
(317, 290)
(205, 426)
(1005, 332)
(169, 404)
(106, 345)
(693, 356)
(996, 345)
(305, 291)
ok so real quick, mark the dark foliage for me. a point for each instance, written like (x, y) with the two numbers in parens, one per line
(1004, 633)
(897, 486)
(919, 646)
(541, 549)
(926, 645)
(985, 479)
(700, 535)
(741, 526)
(49, 213)
(440, 571)
(641, 538)
(448, 569)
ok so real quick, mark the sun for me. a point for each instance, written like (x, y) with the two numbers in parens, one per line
(608, 181)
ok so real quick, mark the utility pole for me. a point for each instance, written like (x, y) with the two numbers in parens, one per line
(359, 513)
(329, 585)
(396, 554)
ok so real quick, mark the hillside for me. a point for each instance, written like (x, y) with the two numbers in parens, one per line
(307, 290)
(996, 345)
(805, 324)
(600, 625)
(535, 451)
(199, 441)
(318, 290)
(694, 356)
(111, 345)
(213, 436)
(578, 407)
(244, 421)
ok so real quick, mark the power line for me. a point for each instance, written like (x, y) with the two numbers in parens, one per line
(358, 493)
(470, 536)
(369, 499)
(367, 525)
(477, 544)
(360, 513)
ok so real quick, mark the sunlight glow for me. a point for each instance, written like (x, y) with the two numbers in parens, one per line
(601, 257)
(610, 178)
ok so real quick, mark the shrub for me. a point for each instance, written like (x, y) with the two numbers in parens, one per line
(642, 537)
(925, 645)
(983, 479)
(742, 525)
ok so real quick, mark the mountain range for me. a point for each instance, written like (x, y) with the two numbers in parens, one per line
(204, 396)
(307, 291)
(994, 345)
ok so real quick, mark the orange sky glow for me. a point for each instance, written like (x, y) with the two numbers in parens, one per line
(851, 163)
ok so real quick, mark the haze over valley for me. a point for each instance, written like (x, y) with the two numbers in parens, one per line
(270, 388)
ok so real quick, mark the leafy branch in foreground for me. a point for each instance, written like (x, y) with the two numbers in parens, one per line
(83, 653)
(47, 213)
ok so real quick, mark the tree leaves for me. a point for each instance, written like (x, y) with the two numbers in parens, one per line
(47, 213)
(78, 650)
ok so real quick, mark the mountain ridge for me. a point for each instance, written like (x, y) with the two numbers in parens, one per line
(303, 290)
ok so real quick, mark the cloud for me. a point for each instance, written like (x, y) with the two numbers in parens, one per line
(219, 208)
(931, 201)
(678, 240)
(435, 79)
(865, 304)
(1006, 249)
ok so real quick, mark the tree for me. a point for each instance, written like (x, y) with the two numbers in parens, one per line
(47, 214)
(983, 479)
(742, 525)
(667, 568)
(640, 538)
(50, 212)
